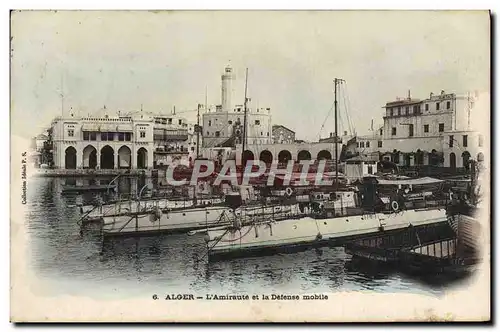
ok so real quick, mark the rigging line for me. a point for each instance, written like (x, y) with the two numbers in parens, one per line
(342, 128)
(326, 118)
(346, 106)
(348, 115)
(349, 105)
(345, 109)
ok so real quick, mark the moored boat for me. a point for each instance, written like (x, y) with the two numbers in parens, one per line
(333, 224)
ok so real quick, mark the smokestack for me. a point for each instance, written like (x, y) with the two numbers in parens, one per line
(409, 95)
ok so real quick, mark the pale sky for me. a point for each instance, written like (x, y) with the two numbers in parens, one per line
(123, 59)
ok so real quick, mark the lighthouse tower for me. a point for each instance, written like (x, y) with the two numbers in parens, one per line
(227, 89)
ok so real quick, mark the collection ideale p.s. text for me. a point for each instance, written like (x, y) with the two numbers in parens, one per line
(23, 178)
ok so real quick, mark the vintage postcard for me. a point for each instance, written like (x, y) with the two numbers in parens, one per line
(250, 166)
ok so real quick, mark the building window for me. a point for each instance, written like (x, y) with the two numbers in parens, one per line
(230, 122)
(93, 136)
(437, 106)
(209, 123)
(441, 127)
(192, 148)
(481, 140)
(448, 105)
(464, 141)
(86, 136)
(217, 134)
(426, 128)
(361, 144)
(357, 144)
(415, 109)
(257, 122)
(451, 141)
(121, 136)
(393, 133)
(208, 134)
(410, 130)
(407, 110)
(426, 107)
(111, 136)
(370, 169)
(142, 134)
(71, 133)
(128, 137)
(180, 121)
(379, 144)
(104, 136)
(267, 134)
(399, 110)
(169, 121)
(368, 144)
(391, 111)
(381, 132)
(261, 133)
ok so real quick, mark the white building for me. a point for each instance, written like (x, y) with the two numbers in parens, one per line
(358, 167)
(103, 142)
(138, 139)
(224, 125)
(419, 132)
(171, 140)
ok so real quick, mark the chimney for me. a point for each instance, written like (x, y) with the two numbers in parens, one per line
(431, 95)
(409, 95)
(331, 134)
(442, 92)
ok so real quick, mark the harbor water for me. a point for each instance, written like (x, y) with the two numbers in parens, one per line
(69, 262)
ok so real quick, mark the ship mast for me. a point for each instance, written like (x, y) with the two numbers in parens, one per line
(336, 81)
(245, 113)
(198, 132)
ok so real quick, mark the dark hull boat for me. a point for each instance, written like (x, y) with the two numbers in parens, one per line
(68, 189)
(440, 251)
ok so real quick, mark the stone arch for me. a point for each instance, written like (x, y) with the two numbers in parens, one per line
(303, 155)
(70, 158)
(107, 157)
(284, 156)
(246, 156)
(89, 157)
(466, 159)
(324, 154)
(480, 157)
(453, 161)
(142, 158)
(266, 156)
(124, 157)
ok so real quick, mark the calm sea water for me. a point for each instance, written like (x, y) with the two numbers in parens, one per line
(71, 263)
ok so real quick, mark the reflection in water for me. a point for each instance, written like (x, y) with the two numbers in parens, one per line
(170, 263)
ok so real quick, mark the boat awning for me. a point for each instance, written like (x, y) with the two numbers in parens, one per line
(416, 182)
